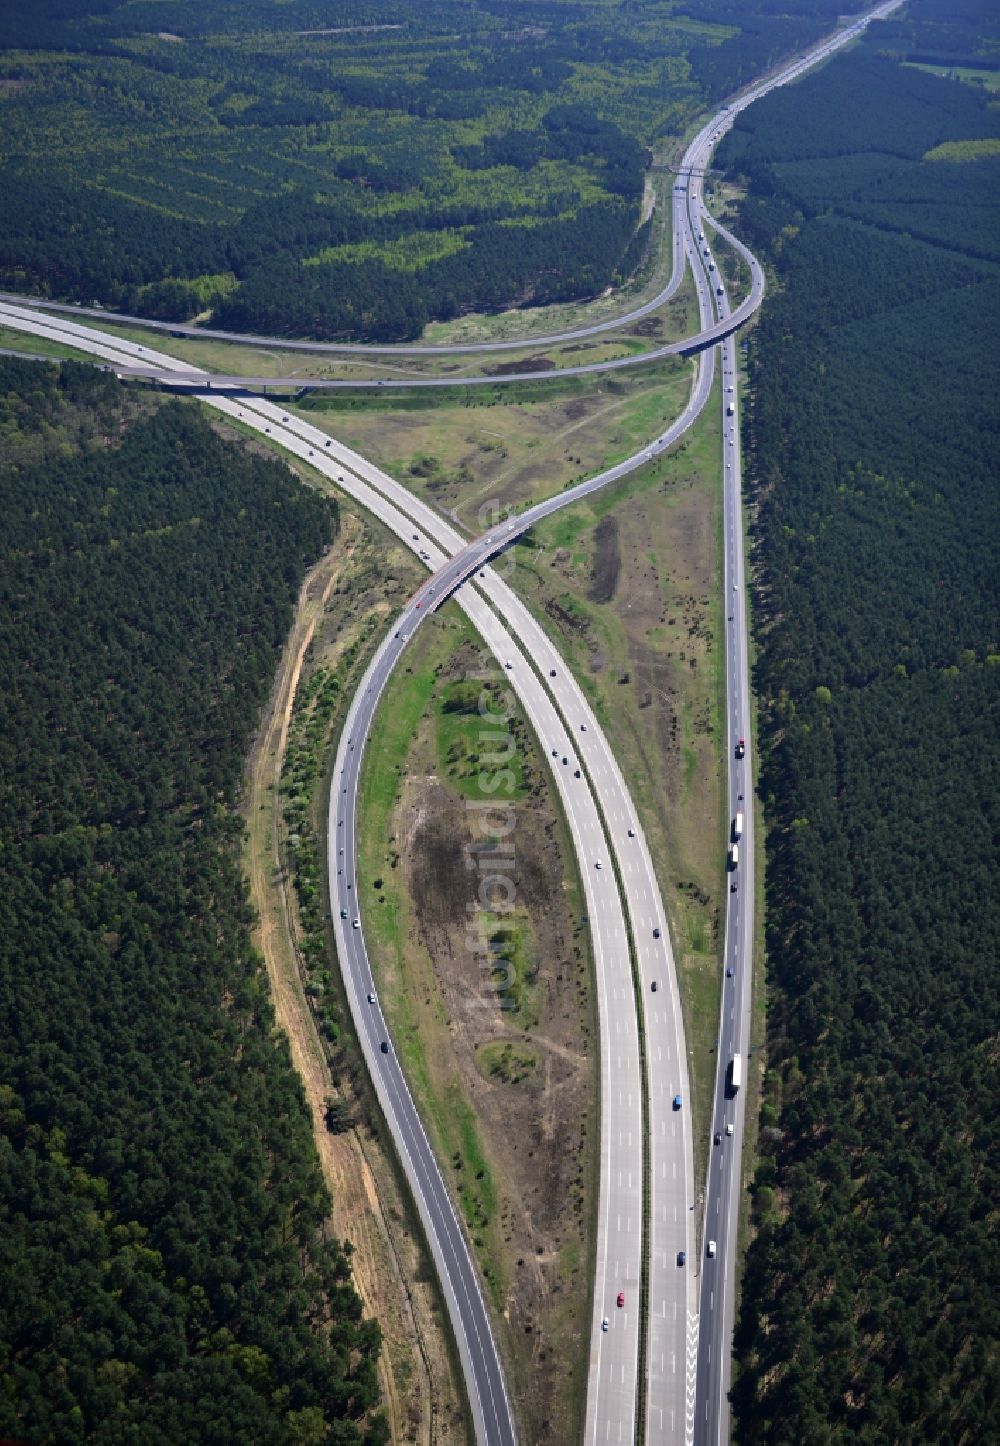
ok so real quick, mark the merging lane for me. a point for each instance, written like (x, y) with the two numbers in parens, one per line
(605, 831)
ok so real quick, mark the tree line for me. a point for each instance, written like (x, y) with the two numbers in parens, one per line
(251, 157)
(166, 1265)
(869, 1306)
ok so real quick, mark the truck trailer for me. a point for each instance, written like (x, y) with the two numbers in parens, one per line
(737, 828)
(735, 1074)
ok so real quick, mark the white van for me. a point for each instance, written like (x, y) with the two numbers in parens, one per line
(711, 1249)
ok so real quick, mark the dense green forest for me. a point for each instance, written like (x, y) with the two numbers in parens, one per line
(165, 1271)
(869, 1306)
(298, 168)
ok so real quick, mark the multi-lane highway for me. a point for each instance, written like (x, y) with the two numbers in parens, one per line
(563, 720)
(723, 1186)
(722, 1189)
(604, 827)
(145, 364)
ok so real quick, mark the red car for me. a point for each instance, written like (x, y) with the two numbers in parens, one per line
(621, 1299)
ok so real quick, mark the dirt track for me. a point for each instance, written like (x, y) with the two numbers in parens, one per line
(419, 1392)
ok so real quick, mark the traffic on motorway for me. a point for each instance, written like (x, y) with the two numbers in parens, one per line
(678, 1396)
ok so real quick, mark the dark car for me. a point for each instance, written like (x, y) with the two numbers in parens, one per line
(384, 1046)
(718, 1137)
(682, 1257)
(656, 933)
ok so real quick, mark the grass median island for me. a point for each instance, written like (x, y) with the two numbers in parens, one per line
(488, 992)
(478, 453)
(626, 582)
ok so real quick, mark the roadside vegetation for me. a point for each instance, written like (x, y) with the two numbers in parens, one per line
(293, 169)
(625, 582)
(165, 1230)
(870, 1296)
(484, 973)
(361, 578)
(480, 452)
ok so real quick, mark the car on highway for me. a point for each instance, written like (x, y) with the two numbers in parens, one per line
(578, 774)
(711, 1250)
(730, 972)
(741, 748)
(656, 933)
(552, 672)
(631, 833)
(508, 664)
(384, 1046)
(653, 986)
(371, 999)
(678, 1102)
(357, 922)
(729, 1129)
(718, 1137)
(605, 1323)
(343, 913)
(621, 1299)
(597, 865)
(682, 1257)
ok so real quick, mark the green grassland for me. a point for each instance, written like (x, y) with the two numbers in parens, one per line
(650, 660)
(471, 1085)
(988, 79)
(480, 452)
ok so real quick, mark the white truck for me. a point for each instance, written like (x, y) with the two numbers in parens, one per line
(730, 409)
(738, 828)
(735, 1075)
(734, 856)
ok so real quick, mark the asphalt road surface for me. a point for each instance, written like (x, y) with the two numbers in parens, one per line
(602, 819)
(571, 728)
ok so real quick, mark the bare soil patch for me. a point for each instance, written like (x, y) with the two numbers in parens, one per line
(528, 1071)
(420, 1394)
(530, 364)
(607, 561)
(651, 657)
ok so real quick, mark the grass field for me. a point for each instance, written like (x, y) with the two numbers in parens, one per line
(22, 341)
(474, 457)
(988, 79)
(639, 621)
(508, 1092)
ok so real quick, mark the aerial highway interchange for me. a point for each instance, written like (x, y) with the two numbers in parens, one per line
(684, 1376)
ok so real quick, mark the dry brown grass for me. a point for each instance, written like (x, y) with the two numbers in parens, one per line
(421, 1396)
